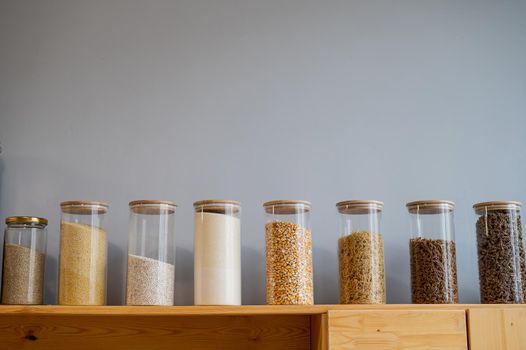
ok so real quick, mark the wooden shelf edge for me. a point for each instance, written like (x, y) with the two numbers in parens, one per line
(246, 310)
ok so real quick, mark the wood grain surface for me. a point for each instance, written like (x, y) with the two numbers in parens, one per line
(155, 332)
(226, 310)
(317, 327)
(393, 329)
(503, 329)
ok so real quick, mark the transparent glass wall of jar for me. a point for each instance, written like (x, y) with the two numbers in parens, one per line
(433, 252)
(361, 252)
(500, 246)
(151, 253)
(217, 252)
(83, 253)
(24, 258)
(288, 252)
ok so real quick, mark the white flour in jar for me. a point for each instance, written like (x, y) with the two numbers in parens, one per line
(217, 260)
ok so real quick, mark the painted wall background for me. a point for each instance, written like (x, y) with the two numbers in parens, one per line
(251, 100)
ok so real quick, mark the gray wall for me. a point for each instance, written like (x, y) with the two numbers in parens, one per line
(259, 100)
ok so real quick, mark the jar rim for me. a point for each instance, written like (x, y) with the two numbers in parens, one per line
(359, 206)
(152, 207)
(138, 202)
(287, 206)
(216, 201)
(430, 206)
(84, 207)
(482, 207)
(25, 220)
(218, 206)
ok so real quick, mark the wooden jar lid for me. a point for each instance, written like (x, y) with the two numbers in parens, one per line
(287, 206)
(84, 207)
(483, 207)
(152, 207)
(219, 206)
(431, 206)
(359, 206)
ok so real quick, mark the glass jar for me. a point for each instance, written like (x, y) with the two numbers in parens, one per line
(151, 253)
(361, 252)
(288, 252)
(502, 268)
(432, 252)
(83, 253)
(217, 259)
(24, 258)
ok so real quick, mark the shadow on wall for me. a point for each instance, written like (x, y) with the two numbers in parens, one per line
(325, 257)
(117, 265)
(252, 265)
(1, 213)
(51, 284)
(184, 276)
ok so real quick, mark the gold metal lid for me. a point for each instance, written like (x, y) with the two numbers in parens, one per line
(152, 207)
(356, 206)
(220, 206)
(287, 206)
(482, 207)
(84, 207)
(25, 220)
(430, 206)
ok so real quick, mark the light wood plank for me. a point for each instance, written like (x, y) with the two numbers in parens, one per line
(226, 310)
(319, 329)
(398, 329)
(154, 332)
(503, 329)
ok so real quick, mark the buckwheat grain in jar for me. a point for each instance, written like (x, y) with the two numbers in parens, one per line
(361, 252)
(151, 253)
(433, 252)
(83, 253)
(24, 258)
(288, 252)
(500, 246)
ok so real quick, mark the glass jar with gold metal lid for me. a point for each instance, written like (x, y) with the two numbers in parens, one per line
(25, 242)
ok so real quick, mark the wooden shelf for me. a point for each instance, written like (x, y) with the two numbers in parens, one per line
(394, 326)
(229, 310)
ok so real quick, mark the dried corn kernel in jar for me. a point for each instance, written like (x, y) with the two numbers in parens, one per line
(288, 238)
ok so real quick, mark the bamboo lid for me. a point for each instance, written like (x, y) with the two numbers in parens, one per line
(219, 206)
(286, 206)
(482, 207)
(431, 206)
(358, 206)
(152, 207)
(84, 207)
(25, 220)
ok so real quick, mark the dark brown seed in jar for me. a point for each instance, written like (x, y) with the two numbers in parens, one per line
(433, 271)
(502, 268)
